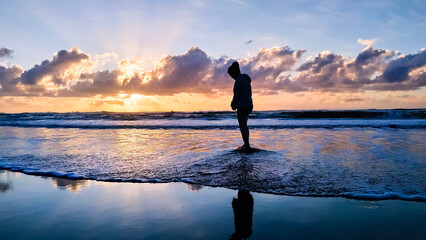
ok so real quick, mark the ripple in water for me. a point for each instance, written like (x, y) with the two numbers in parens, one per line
(358, 163)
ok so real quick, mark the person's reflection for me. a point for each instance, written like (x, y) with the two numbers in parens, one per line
(243, 215)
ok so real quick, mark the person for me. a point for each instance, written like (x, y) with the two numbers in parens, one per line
(242, 101)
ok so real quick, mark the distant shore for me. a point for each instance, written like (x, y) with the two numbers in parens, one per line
(34, 207)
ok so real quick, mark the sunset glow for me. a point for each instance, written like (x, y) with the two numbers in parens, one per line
(174, 56)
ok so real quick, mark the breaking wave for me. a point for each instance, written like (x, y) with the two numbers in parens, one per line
(402, 118)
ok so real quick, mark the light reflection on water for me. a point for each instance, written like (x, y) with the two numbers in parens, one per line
(5, 183)
(292, 161)
(70, 185)
(74, 186)
(106, 210)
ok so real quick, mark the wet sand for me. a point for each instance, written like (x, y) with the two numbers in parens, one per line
(34, 207)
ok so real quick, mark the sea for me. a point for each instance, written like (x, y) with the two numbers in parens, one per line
(362, 154)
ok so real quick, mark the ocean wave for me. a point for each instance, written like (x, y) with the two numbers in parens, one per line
(220, 115)
(370, 163)
(407, 118)
(225, 124)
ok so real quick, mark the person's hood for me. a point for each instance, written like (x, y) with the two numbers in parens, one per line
(246, 77)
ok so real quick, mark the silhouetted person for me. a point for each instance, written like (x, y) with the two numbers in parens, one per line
(242, 101)
(243, 215)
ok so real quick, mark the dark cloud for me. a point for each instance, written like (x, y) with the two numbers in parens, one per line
(368, 55)
(327, 71)
(403, 73)
(219, 78)
(354, 99)
(318, 62)
(9, 80)
(91, 84)
(5, 52)
(61, 61)
(182, 73)
(397, 70)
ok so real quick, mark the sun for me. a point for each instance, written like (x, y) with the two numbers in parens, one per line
(130, 67)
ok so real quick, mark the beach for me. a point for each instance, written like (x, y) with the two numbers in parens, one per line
(314, 175)
(369, 154)
(35, 207)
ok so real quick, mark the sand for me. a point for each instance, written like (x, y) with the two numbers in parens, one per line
(34, 207)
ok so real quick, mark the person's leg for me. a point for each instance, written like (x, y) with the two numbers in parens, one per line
(242, 122)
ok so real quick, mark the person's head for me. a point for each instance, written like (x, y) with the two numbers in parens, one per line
(244, 194)
(234, 70)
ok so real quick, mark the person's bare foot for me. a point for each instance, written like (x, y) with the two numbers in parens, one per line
(244, 147)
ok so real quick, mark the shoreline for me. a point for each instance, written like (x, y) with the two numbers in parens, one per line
(51, 208)
(366, 197)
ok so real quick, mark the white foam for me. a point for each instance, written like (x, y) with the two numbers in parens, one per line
(384, 196)
(355, 163)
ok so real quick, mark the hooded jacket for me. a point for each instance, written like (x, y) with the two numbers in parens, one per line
(242, 92)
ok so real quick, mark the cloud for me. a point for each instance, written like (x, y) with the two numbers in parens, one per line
(91, 84)
(5, 52)
(272, 70)
(191, 72)
(407, 72)
(40, 80)
(269, 69)
(372, 69)
(375, 56)
(9, 80)
(367, 42)
(60, 62)
(98, 103)
(333, 72)
(354, 99)
(399, 69)
(177, 74)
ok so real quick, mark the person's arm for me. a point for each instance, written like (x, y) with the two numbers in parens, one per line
(237, 94)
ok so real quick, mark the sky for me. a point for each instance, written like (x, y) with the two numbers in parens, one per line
(130, 56)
